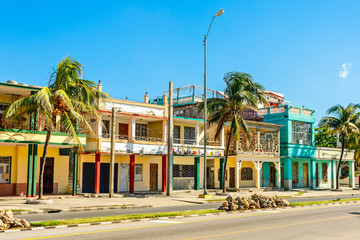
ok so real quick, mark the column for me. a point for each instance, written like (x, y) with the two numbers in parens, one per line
(196, 173)
(197, 134)
(278, 174)
(163, 170)
(237, 169)
(222, 137)
(313, 173)
(97, 173)
(258, 166)
(351, 174)
(222, 176)
(30, 171)
(132, 128)
(333, 174)
(132, 173)
(320, 174)
(287, 174)
(34, 175)
(266, 170)
(164, 129)
(75, 171)
(300, 174)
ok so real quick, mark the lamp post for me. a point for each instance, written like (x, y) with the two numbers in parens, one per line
(219, 13)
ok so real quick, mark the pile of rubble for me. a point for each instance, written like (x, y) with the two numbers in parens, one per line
(7, 221)
(256, 201)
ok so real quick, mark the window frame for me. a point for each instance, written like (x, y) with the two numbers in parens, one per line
(297, 135)
(10, 167)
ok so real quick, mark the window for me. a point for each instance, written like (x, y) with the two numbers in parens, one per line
(64, 151)
(123, 130)
(106, 129)
(176, 134)
(141, 130)
(183, 170)
(247, 174)
(324, 173)
(5, 169)
(301, 133)
(138, 171)
(189, 135)
(3, 107)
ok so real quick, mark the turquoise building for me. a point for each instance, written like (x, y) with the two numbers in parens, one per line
(302, 164)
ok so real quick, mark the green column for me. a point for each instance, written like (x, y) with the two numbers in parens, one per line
(35, 150)
(75, 171)
(287, 173)
(30, 171)
(351, 174)
(196, 173)
(301, 174)
(313, 173)
(222, 177)
(266, 170)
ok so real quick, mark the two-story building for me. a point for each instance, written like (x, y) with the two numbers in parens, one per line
(140, 148)
(303, 165)
(21, 147)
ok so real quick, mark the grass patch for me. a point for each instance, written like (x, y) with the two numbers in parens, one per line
(323, 202)
(103, 206)
(120, 218)
(18, 210)
(216, 200)
(300, 193)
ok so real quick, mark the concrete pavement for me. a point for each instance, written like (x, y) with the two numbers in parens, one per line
(317, 222)
(116, 212)
(180, 198)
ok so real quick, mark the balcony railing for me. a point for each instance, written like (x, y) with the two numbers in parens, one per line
(192, 142)
(268, 144)
(148, 139)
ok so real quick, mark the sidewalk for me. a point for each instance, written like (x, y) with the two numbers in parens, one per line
(179, 198)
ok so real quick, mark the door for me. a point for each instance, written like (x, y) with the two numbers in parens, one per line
(88, 179)
(123, 131)
(295, 174)
(232, 178)
(272, 175)
(48, 175)
(105, 177)
(306, 174)
(124, 177)
(153, 176)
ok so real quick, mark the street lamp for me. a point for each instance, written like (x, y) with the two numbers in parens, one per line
(219, 13)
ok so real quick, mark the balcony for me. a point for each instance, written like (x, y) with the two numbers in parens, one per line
(261, 141)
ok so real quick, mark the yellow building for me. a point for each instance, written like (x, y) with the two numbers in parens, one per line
(21, 147)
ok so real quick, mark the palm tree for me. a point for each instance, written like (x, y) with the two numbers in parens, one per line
(241, 93)
(344, 122)
(65, 99)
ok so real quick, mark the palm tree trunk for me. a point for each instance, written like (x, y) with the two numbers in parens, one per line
(42, 167)
(338, 166)
(226, 158)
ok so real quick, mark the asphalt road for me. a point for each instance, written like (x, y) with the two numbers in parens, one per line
(114, 212)
(320, 222)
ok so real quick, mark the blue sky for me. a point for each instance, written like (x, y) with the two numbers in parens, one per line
(308, 50)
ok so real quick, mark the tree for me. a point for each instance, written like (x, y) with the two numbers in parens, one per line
(323, 138)
(241, 93)
(65, 99)
(344, 122)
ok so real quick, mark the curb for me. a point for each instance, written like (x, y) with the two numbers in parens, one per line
(79, 209)
(172, 217)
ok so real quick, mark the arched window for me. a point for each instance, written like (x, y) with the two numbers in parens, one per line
(247, 174)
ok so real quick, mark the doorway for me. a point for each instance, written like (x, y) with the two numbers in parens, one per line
(124, 177)
(231, 177)
(153, 176)
(272, 175)
(210, 174)
(295, 174)
(306, 174)
(48, 175)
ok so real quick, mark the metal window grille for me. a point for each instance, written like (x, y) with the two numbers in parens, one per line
(324, 172)
(176, 134)
(141, 130)
(247, 174)
(183, 170)
(301, 133)
(189, 135)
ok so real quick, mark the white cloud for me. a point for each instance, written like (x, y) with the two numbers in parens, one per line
(345, 70)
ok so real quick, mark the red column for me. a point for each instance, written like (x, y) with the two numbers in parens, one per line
(97, 173)
(163, 168)
(132, 173)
